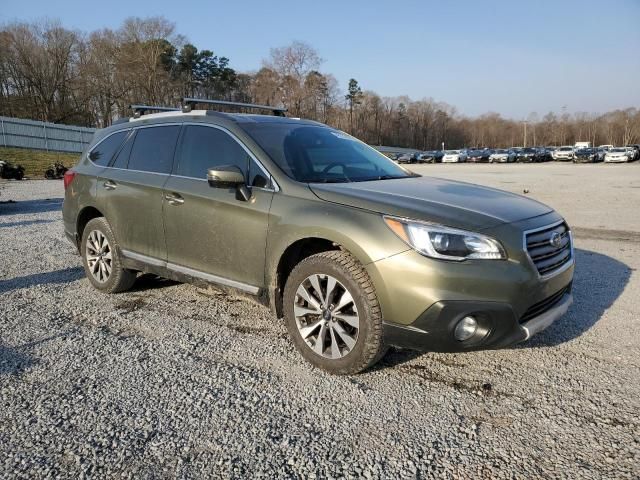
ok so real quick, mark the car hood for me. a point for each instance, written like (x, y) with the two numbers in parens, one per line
(456, 204)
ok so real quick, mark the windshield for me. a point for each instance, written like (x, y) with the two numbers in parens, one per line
(619, 150)
(565, 149)
(317, 154)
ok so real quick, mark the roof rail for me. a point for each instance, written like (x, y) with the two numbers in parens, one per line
(139, 110)
(189, 103)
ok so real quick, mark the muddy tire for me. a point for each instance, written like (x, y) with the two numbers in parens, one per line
(332, 313)
(102, 260)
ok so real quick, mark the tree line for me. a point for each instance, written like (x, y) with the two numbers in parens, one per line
(51, 73)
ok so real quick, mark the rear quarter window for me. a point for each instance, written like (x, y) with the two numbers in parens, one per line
(104, 151)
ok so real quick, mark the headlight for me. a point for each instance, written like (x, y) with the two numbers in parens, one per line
(437, 241)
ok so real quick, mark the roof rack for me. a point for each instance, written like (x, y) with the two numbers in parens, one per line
(139, 110)
(189, 103)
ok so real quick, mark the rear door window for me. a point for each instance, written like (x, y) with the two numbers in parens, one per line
(153, 149)
(102, 153)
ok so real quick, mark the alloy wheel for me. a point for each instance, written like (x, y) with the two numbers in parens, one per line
(99, 256)
(326, 316)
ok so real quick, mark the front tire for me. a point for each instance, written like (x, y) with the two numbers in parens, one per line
(102, 260)
(332, 313)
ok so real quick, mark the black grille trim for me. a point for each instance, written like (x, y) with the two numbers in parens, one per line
(544, 305)
(548, 258)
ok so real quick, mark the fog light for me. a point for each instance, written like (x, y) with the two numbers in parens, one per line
(465, 329)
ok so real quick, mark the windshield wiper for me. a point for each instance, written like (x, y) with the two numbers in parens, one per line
(386, 177)
(328, 180)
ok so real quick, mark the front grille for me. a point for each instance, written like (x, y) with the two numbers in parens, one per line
(544, 305)
(546, 256)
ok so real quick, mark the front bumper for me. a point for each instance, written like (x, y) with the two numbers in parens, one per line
(616, 160)
(422, 299)
(499, 326)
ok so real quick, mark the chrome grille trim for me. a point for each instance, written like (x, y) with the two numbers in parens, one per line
(545, 258)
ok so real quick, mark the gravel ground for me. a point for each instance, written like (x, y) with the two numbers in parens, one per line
(170, 380)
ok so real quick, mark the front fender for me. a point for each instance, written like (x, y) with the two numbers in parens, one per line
(363, 233)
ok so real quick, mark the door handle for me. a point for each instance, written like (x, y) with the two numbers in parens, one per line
(109, 185)
(174, 199)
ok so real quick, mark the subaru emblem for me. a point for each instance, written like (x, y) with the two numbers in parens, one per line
(556, 240)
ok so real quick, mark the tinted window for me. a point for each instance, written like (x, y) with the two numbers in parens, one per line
(123, 155)
(153, 149)
(205, 147)
(104, 151)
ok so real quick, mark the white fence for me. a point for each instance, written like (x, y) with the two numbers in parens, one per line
(17, 132)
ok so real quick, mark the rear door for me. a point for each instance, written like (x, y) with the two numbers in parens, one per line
(211, 232)
(130, 191)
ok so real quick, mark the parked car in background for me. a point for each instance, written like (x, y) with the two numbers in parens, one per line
(601, 152)
(454, 156)
(579, 145)
(636, 151)
(427, 157)
(478, 156)
(587, 155)
(606, 147)
(563, 154)
(618, 155)
(502, 156)
(407, 158)
(438, 154)
(527, 154)
(544, 155)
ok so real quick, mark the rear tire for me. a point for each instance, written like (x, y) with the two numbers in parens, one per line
(102, 260)
(338, 328)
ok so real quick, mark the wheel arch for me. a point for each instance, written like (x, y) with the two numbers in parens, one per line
(85, 215)
(293, 254)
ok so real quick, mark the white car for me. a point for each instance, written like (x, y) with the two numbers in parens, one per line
(620, 154)
(502, 156)
(606, 147)
(454, 156)
(565, 153)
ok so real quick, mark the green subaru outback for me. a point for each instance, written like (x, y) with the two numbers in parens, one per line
(355, 252)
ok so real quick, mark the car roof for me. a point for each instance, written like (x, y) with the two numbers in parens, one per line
(201, 116)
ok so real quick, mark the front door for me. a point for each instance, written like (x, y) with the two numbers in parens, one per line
(212, 232)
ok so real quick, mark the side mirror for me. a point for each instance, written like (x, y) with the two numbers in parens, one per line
(229, 176)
